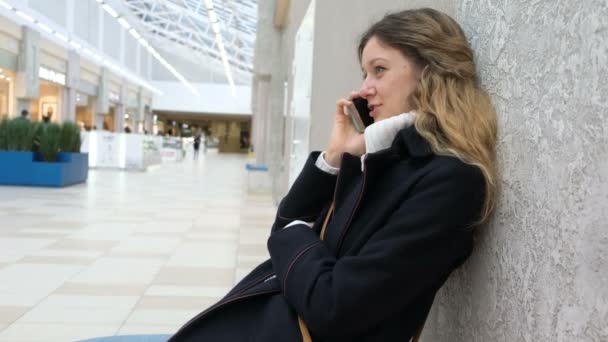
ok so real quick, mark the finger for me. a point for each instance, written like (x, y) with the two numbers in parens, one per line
(344, 102)
(354, 95)
(341, 106)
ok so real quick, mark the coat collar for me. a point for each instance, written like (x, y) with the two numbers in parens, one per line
(410, 143)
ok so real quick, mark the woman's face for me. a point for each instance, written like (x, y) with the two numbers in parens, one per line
(389, 80)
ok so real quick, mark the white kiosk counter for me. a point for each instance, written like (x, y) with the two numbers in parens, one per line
(121, 150)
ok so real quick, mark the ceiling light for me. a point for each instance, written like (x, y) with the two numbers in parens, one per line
(110, 10)
(215, 27)
(212, 16)
(62, 37)
(5, 5)
(124, 23)
(75, 45)
(25, 16)
(8, 78)
(209, 4)
(2, 77)
(45, 28)
(134, 33)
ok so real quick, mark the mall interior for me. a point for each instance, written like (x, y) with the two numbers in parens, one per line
(193, 118)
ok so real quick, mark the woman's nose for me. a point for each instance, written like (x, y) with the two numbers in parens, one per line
(367, 90)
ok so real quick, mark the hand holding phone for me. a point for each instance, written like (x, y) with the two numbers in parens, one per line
(359, 114)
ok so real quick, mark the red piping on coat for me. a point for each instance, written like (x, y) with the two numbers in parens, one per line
(227, 301)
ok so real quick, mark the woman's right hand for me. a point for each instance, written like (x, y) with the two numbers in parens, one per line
(344, 137)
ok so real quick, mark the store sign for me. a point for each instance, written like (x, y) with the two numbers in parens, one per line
(51, 75)
(113, 97)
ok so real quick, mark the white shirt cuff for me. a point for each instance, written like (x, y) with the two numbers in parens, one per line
(324, 166)
(293, 223)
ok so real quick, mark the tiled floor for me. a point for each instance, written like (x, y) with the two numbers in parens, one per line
(128, 252)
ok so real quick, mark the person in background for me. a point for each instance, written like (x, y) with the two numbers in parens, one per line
(48, 116)
(25, 114)
(197, 145)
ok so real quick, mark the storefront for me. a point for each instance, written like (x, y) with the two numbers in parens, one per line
(131, 109)
(10, 35)
(50, 101)
(7, 82)
(110, 119)
(86, 96)
(85, 111)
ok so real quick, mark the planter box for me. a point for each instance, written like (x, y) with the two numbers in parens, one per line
(27, 168)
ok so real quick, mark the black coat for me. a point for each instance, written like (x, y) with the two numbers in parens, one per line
(399, 229)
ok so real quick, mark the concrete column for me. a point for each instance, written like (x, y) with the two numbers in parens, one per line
(72, 80)
(139, 114)
(22, 104)
(148, 121)
(27, 84)
(102, 106)
(119, 120)
(260, 118)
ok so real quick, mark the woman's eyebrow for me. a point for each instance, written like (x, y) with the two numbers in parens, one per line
(376, 59)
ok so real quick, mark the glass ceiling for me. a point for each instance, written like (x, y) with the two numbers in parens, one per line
(184, 27)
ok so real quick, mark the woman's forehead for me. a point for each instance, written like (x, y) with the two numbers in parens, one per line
(375, 50)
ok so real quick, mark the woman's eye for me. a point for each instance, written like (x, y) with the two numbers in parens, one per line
(379, 69)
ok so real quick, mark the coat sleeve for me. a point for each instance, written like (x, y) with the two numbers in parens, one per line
(414, 252)
(308, 196)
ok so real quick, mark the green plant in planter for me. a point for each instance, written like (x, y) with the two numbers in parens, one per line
(70, 138)
(21, 134)
(32, 141)
(49, 142)
(3, 133)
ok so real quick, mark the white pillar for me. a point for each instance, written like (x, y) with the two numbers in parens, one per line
(72, 80)
(260, 117)
(27, 84)
(139, 115)
(102, 106)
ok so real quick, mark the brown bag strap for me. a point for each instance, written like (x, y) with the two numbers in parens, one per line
(329, 212)
(303, 329)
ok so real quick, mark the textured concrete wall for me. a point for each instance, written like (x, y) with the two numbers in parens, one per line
(540, 269)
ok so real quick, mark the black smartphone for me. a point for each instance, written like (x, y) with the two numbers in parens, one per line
(360, 116)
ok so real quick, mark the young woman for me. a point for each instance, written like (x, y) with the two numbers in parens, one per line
(375, 224)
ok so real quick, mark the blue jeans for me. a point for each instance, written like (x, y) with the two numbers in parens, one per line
(130, 338)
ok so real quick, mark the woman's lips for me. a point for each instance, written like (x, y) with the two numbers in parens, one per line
(373, 111)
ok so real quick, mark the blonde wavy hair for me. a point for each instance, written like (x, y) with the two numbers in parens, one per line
(454, 114)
